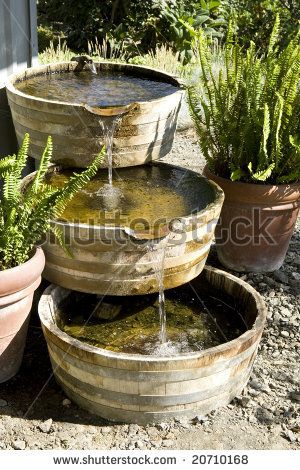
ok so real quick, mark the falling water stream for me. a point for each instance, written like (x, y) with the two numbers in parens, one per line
(157, 250)
(108, 125)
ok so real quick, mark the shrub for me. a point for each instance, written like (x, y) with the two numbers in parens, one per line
(248, 114)
(255, 19)
(136, 27)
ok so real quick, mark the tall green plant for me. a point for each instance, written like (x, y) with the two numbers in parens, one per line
(183, 19)
(248, 115)
(25, 213)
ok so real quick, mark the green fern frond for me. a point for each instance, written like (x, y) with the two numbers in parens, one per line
(261, 175)
(43, 166)
(273, 39)
(26, 212)
(245, 113)
(61, 240)
(22, 157)
(7, 163)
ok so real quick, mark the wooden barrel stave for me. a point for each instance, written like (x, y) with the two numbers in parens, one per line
(146, 389)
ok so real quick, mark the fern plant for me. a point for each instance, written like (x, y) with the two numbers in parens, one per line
(25, 213)
(247, 116)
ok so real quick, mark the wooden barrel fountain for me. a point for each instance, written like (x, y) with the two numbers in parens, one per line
(146, 131)
(143, 388)
(108, 260)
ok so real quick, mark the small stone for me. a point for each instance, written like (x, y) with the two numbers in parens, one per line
(290, 436)
(280, 277)
(162, 426)
(3, 403)
(105, 430)
(19, 445)
(46, 426)
(167, 442)
(199, 419)
(296, 276)
(256, 385)
(284, 333)
(296, 260)
(244, 401)
(152, 432)
(140, 444)
(264, 416)
(66, 402)
(252, 419)
(295, 396)
(156, 442)
(286, 312)
(254, 393)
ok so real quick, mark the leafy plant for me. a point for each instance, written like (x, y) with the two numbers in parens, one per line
(25, 213)
(247, 115)
(127, 22)
(186, 18)
(255, 19)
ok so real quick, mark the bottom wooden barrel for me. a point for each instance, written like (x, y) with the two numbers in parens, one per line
(145, 389)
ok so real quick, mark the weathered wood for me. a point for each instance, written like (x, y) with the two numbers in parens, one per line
(146, 132)
(107, 261)
(146, 389)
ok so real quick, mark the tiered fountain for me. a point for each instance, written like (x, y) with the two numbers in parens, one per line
(116, 348)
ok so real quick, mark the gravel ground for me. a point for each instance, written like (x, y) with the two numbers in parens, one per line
(35, 414)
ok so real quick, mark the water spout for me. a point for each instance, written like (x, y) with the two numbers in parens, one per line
(92, 67)
(109, 118)
(83, 60)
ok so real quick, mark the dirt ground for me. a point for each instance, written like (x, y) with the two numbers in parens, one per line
(35, 413)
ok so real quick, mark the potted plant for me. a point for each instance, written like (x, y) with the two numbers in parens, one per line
(25, 215)
(247, 118)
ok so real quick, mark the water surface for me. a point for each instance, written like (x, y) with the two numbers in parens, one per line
(147, 193)
(101, 90)
(194, 321)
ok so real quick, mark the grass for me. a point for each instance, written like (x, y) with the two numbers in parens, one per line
(163, 58)
(53, 54)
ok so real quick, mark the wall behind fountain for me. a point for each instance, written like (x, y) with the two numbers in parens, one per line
(18, 50)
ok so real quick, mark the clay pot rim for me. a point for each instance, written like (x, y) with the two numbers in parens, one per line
(254, 185)
(49, 323)
(275, 193)
(30, 270)
(70, 65)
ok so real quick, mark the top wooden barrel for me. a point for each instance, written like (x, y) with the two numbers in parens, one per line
(145, 133)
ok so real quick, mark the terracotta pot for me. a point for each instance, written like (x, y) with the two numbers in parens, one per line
(256, 224)
(17, 286)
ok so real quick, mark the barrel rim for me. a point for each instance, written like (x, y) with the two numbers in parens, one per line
(210, 211)
(14, 78)
(48, 323)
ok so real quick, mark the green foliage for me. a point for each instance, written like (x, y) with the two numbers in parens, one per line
(185, 18)
(53, 54)
(46, 36)
(131, 23)
(247, 114)
(135, 28)
(26, 212)
(255, 19)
